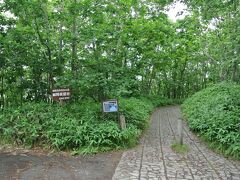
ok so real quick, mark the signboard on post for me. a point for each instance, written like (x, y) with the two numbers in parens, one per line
(61, 94)
(110, 106)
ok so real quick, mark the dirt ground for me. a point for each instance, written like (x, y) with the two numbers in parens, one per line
(28, 165)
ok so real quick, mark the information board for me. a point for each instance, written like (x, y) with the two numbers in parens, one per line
(110, 106)
(61, 94)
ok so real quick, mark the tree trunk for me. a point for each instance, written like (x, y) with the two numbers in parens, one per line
(2, 91)
(74, 42)
(60, 57)
(235, 71)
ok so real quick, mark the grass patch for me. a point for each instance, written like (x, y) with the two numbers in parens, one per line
(180, 148)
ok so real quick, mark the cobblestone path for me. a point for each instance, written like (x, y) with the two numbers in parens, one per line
(154, 159)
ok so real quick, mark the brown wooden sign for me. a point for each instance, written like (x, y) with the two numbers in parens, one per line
(61, 94)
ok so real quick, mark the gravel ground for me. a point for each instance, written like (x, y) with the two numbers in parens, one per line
(38, 166)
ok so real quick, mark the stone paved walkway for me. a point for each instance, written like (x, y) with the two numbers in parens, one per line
(154, 159)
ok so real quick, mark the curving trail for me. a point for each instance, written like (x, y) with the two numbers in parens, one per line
(154, 159)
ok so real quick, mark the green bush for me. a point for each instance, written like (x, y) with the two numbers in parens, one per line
(215, 114)
(73, 126)
(158, 101)
(80, 127)
(136, 111)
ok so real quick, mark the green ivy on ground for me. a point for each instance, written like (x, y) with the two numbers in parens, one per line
(214, 113)
(78, 127)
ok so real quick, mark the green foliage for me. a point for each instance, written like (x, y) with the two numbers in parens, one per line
(180, 148)
(80, 127)
(158, 101)
(102, 49)
(215, 114)
(136, 111)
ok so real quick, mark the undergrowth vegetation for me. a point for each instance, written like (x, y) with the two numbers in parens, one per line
(81, 128)
(215, 114)
(180, 148)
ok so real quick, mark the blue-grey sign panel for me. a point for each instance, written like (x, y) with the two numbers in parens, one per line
(110, 106)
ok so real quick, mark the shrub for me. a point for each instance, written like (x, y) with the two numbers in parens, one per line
(77, 126)
(215, 114)
(73, 126)
(136, 111)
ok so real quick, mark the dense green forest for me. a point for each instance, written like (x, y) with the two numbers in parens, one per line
(102, 49)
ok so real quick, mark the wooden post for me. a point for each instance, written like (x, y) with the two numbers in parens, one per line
(180, 131)
(61, 102)
(122, 122)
